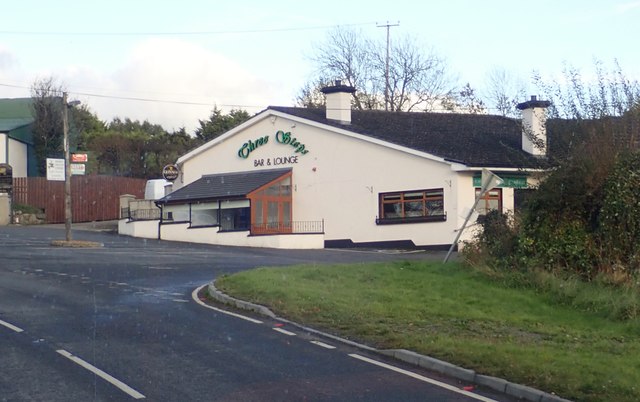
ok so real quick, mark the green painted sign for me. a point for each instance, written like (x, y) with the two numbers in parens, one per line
(281, 138)
(511, 181)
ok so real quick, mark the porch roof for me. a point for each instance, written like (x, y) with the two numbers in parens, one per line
(223, 186)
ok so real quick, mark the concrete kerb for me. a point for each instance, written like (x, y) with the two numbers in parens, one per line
(497, 384)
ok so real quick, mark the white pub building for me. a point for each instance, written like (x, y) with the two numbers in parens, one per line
(332, 177)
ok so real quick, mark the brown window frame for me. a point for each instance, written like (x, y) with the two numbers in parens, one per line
(483, 204)
(408, 215)
(284, 202)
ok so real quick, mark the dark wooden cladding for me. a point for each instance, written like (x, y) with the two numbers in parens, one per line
(93, 198)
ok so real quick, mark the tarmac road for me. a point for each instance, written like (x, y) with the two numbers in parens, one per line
(119, 323)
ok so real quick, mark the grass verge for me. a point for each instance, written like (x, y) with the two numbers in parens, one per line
(75, 243)
(463, 316)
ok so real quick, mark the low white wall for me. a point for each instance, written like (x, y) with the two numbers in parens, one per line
(143, 229)
(210, 235)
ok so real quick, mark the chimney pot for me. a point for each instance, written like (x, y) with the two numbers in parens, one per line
(338, 102)
(534, 131)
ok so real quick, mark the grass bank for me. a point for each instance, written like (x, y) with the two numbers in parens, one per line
(463, 316)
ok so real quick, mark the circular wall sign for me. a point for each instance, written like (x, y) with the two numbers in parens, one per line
(170, 172)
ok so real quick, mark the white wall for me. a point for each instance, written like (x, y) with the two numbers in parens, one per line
(18, 158)
(3, 148)
(17, 153)
(143, 229)
(181, 232)
(339, 179)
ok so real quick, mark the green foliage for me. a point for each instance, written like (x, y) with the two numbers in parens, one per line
(619, 219)
(584, 219)
(610, 94)
(134, 149)
(219, 124)
(565, 245)
(498, 235)
(26, 209)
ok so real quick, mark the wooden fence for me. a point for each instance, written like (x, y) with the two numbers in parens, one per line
(93, 198)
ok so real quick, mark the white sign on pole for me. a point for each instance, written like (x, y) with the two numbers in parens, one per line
(489, 181)
(77, 169)
(55, 169)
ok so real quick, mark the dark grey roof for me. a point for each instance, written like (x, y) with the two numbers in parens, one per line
(472, 139)
(223, 186)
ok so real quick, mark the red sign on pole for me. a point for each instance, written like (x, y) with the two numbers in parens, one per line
(79, 158)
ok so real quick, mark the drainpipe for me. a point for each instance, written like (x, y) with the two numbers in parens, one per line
(160, 220)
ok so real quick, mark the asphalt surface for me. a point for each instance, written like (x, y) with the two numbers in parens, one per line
(119, 323)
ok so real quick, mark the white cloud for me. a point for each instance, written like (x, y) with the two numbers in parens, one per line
(172, 70)
(626, 7)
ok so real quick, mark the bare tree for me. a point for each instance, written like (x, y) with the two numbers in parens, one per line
(46, 94)
(310, 95)
(345, 55)
(504, 91)
(464, 100)
(416, 79)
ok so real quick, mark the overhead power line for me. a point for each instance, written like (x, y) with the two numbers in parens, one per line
(141, 99)
(181, 33)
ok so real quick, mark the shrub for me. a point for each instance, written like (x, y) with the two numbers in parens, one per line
(26, 209)
(619, 219)
(498, 234)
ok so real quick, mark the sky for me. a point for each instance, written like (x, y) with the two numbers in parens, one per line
(171, 62)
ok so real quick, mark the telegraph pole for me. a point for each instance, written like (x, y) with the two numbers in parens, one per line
(386, 72)
(67, 168)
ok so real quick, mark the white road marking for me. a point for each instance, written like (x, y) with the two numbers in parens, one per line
(194, 296)
(114, 381)
(284, 331)
(180, 300)
(11, 326)
(323, 345)
(423, 378)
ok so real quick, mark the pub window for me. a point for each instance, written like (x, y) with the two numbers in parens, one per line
(491, 201)
(176, 213)
(234, 215)
(412, 206)
(204, 214)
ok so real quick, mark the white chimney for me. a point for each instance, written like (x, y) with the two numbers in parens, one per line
(534, 128)
(338, 102)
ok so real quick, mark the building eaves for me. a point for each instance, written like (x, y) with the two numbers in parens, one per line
(223, 186)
